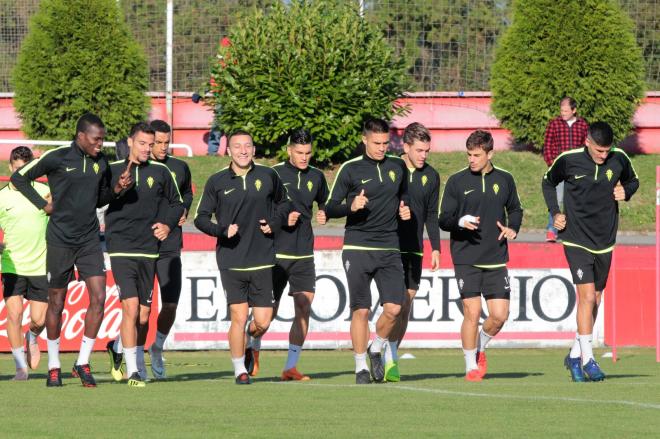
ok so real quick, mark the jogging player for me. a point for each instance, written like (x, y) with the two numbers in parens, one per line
(481, 210)
(294, 247)
(374, 188)
(23, 265)
(134, 229)
(79, 180)
(424, 193)
(596, 177)
(249, 202)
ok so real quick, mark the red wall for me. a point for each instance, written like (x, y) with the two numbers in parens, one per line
(450, 117)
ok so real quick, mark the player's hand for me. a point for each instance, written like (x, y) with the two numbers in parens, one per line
(435, 260)
(321, 218)
(48, 208)
(182, 220)
(619, 192)
(506, 232)
(404, 211)
(293, 218)
(359, 202)
(265, 227)
(232, 230)
(469, 222)
(161, 231)
(48, 197)
(559, 221)
(125, 180)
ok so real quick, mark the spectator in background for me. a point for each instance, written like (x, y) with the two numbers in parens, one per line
(564, 132)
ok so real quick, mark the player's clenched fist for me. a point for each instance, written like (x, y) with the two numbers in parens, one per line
(559, 221)
(321, 218)
(404, 211)
(232, 230)
(619, 193)
(293, 218)
(359, 202)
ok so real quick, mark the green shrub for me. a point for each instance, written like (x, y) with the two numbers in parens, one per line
(79, 56)
(585, 49)
(308, 64)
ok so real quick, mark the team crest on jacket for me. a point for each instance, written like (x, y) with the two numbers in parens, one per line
(310, 185)
(150, 181)
(424, 180)
(496, 188)
(609, 174)
(96, 168)
(257, 184)
(392, 175)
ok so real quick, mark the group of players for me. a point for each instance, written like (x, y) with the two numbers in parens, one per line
(262, 219)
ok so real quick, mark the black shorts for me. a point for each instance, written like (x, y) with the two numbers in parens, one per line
(60, 261)
(492, 283)
(168, 272)
(253, 286)
(299, 273)
(587, 267)
(31, 287)
(383, 266)
(134, 277)
(412, 270)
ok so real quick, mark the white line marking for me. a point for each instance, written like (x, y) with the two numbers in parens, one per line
(487, 395)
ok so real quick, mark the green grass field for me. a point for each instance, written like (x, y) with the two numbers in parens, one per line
(637, 215)
(527, 393)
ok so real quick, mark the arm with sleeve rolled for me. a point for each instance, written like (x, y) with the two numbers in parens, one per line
(555, 175)
(23, 178)
(334, 206)
(432, 216)
(206, 207)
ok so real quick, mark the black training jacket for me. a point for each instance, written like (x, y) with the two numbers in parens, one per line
(243, 200)
(129, 217)
(181, 173)
(385, 184)
(304, 187)
(424, 194)
(492, 197)
(592, 214)
(78, 184)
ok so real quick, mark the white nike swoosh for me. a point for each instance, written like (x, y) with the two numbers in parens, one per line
(577, 177)
(70, 169)
(467, 192)
(229, 191)
(366, 181)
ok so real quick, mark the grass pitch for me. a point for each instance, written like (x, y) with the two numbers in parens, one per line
(527, 393)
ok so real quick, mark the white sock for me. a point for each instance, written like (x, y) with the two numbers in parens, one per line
(377, 345)
(130, 356)
(32, 337)
(54, 354)
(292, 356)
(470, 359)
(139, 355)
(239, 366)
(118, 347)
(19, 358)
(160, 341)
(391, 353)
(483, 340)
(360, 362)
(586, 347)
(86, 348)
(575, 349)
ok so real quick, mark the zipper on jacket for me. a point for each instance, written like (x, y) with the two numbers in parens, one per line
(483, 183)
(411, 173)
(380, 176)
(244, 184)
(137, 176)
(596, 174)
(298, 180)
(84, 164)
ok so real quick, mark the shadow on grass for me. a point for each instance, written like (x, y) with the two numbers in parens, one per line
(614, 377)
(436, 376)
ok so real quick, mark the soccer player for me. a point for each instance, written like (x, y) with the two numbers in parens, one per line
(294, 247)
(23, 265)
(481, 210)
(249, 202)
(424, 192)
(596, 177)
(79, 180)
(168, 265)
(134, 228)
(370, 190)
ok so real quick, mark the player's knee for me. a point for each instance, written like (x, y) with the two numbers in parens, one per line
(260, 328)
(56, 304)
(391, 310)
(303, 307)
(38, 322)
(14, 316)
(361, 314)
(499, 318)
(144, 316)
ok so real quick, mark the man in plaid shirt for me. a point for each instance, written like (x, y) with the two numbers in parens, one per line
(564, 132)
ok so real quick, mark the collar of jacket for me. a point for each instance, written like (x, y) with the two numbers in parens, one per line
(234, 174)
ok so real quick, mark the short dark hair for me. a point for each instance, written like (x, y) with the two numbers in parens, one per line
(601, 133)
(87, 120)
(570, 102)
(21, 153)
(301, 136)
(160, 126)
(238, 133)
(375, 126)
(141, 127)
(480, 139)
(416, 131)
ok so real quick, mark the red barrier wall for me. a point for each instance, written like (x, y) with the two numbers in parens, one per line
(449, 117)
